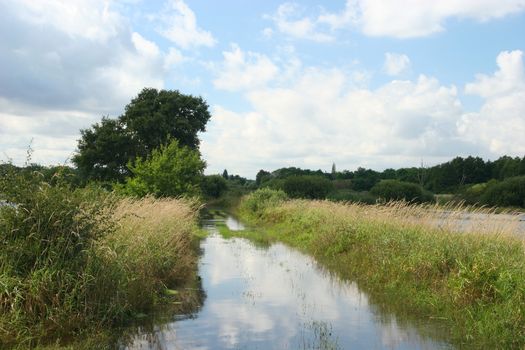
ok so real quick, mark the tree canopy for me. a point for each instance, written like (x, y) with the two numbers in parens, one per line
(150, 120)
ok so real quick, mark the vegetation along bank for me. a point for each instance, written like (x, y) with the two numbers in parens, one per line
(75, 263)
(473, 283)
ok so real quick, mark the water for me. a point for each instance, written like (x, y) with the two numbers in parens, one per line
(482, 222)
(277, 298)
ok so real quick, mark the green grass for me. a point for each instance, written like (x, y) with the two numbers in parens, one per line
(77, 264)
(473, 284)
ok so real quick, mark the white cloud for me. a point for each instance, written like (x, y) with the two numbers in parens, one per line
(179, 25)
(396, 64)
(398, 19)
(408, 18)
(51, 133)
(320, 116)
(94, 20)
(267, 32)
(500, 124)
(64, 65)
(240, 70)
(288, 21)
(173, 58)
(509, 77)
(346, 17)
(145, 47)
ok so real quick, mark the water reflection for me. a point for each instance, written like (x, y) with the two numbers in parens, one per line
(277, 298)
(233, 224)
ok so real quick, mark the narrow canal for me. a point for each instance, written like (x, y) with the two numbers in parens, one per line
(275, 297)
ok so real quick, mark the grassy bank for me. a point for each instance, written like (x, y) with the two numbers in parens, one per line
(474, 283)
(75, 263)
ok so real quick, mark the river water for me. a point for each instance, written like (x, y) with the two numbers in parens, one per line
(275, 297)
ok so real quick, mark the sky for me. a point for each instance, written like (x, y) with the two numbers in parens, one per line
(368, 83)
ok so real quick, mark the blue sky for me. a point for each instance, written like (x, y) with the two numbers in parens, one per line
(359, 82)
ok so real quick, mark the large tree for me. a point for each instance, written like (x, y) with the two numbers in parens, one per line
(104, 150)
(150, 120)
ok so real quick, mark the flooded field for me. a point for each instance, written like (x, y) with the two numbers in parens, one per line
(273, 297)
(479, 222)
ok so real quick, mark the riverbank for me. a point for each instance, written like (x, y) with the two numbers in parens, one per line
(77, 265)
(474, 283)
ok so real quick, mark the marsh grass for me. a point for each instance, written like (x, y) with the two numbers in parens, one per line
(153, 245)
(75, 262)
(470, 277)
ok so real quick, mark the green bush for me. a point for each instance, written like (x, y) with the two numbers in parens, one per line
(261, 199)
(310, 187)
(274, 184)
(398, 190)
(351, 196)
(343, 184)
(170, 171)
(508, 193)
(473, 194)
(213, 186)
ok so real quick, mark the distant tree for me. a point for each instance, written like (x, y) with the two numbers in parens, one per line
(311, 187)
(274, 184)
(225, 174)
(238, 179)
(333, 169)
(388, 174)
(169, 171)
(150, 120)
(262, 176)
(522, 166)
(505, 167)
(364, 179)
(345, 175)
(399, 190)
(214, 186)
(284, 173)
(408, 174)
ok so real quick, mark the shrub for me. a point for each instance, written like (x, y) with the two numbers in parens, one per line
(473, 194)
(170, 171)
(213, 186)
(352, 196)
(261, 199)
(310, 187)
(343, 184)
(274, 184)
(509, 192)
(398, 190)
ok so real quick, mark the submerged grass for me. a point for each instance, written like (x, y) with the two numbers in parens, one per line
(74, 263)
(473, 282)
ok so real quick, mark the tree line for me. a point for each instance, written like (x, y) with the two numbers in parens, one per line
(471, 179)
(153, 148)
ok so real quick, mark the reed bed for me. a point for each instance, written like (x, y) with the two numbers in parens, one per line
(152, 245)
(74, 262)
(471, 277)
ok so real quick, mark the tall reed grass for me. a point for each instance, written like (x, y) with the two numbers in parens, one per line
(75, 261)
(474, 282)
